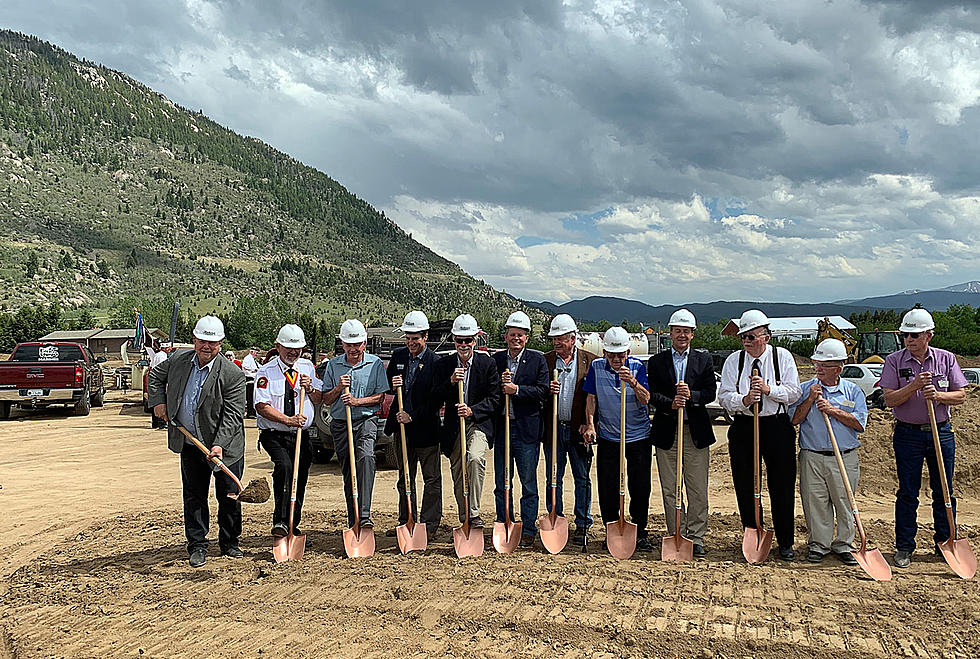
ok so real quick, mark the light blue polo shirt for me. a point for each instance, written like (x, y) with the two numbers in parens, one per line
(367, 378)
(604, 384)
(846, 396)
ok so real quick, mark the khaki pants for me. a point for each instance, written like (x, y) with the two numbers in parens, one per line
(823, 495)
(694, 516)
(476, 468)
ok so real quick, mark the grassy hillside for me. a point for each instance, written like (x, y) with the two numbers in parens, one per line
(109, 191)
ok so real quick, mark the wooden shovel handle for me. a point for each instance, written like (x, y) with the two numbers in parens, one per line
(942, 468)
(218, 463)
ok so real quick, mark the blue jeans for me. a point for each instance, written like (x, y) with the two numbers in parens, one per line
(523, 460)
(911, 447)
(570, 451)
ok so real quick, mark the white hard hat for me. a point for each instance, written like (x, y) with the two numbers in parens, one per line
(830, 350)
(682, 318)
(917, 320)
(352, 331)
(465, 325)
(616, 339)
(415, 321)
(229, 353)
(562, 324)
(519, 320)
(291, 336)
(751, 319)
(209, 328)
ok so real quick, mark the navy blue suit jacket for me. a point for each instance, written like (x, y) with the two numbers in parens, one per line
(532, 393)
(700, 377)
(484, 397)
(419, 401)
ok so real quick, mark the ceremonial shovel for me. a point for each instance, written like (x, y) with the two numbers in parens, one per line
(258, 488)
(291, 547)
(411, 536)
(956, 551)
(358, 542)
(507, 534)
(756, 542)
(676, 547)
(554, 527)
(870, 560)
(466, 541)
(621, 535)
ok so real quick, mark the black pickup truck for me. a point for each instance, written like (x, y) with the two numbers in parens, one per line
(39, 374)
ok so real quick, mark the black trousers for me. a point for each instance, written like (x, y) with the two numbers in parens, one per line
(777, 448)
(639, 461)
(281, 446)
(250, 398)
(195, 475)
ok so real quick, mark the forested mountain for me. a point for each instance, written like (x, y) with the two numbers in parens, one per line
(109, 192)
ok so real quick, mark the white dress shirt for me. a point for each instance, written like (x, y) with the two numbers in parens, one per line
(780, 395)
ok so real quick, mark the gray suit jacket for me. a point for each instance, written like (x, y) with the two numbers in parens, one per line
(220, 408)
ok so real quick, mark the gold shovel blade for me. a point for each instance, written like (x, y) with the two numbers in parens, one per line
(676, 548)
(280, 548)
(756, 544)
(554, 532)
(359, 543)
(872, 562)
(621, 539)
(296, 546)
(416, 539)
(468, 541)
(506, 536)
(960, 557)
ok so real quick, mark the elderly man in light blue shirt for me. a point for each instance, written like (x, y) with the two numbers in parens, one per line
(821, 485)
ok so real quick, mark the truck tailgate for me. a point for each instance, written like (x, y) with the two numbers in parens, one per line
(37, 375)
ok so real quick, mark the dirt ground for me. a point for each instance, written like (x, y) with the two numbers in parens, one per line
(93, 564)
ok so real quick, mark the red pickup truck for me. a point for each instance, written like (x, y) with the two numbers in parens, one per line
(39, 374)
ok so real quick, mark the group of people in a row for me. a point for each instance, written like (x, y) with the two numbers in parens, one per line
(206, 394)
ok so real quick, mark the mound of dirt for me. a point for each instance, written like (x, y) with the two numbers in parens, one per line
(878, 457)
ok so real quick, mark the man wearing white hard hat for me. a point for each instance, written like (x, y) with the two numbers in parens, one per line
(775, 388)
(821, 487)
(480, 408)
(683, 378)
(524, 377)
(365, 375)
(277, 386)
(412, 368)
(205, 393)
(912, 379)
(603, 384)
(572, 364)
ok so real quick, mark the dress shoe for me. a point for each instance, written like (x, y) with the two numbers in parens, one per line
(233, 551)
(643, 544)
(477, 522)
(903, 558)
(581, 533)
(198, 557)
(846, 557)
(367, 524)
(699, 551)
(527, 541)
(814, 556)
(787, 554)
(279, 531)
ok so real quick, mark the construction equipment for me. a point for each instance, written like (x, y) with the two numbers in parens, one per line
(554, 527)
(411, 536)
(507, 534)
(868, 348)
(956, 551)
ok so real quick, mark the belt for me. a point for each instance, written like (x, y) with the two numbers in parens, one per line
(828, 452)
(924, 427)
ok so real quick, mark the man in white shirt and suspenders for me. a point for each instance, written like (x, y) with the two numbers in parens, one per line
(774, 389)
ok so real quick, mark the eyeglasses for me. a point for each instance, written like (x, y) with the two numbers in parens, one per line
(751, 337)
(911, 335)
(464, 341)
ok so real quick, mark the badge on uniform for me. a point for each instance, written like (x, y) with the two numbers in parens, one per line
(262, 383)
(292, 377)
(847, 403)
(400, 367)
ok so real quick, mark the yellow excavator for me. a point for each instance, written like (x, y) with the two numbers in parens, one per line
(868, 348)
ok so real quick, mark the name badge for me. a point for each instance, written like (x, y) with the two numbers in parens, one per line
(400, 367)
(847, 403)
(944, 383)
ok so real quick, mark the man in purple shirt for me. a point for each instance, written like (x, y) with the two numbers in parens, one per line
(913, 379)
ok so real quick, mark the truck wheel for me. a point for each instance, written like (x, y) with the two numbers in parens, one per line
(98, 399)
(5, 410)
(83, 406)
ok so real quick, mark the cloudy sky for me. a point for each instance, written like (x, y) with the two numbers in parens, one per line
(669, 152)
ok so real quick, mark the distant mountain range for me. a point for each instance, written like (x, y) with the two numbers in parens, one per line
(614, 309)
